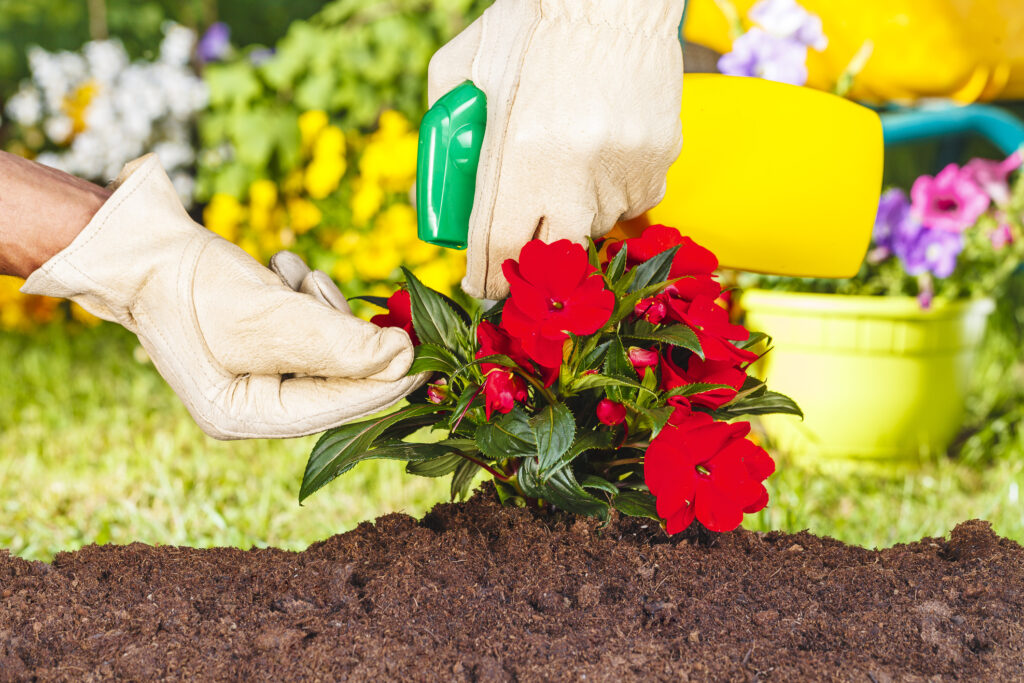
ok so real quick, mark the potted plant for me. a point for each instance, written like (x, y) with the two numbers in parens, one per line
(882, 362)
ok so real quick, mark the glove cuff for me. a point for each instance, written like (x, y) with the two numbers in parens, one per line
(142, 224)
(649, 17)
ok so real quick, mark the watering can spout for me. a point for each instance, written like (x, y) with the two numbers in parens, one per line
(773, 178)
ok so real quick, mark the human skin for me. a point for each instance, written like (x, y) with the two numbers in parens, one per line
(41, 211)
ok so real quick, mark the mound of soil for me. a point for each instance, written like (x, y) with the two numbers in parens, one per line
(479, 592)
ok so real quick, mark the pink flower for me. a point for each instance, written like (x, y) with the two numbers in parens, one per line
(611, 413)
(992, 176)
(1002, 236)
(951, 201)
(437, 393)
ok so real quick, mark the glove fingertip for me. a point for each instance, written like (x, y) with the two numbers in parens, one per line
(290, 268)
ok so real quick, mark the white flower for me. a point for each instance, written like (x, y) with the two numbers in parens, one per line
(176, 47)
(185, 185)
(59, 128)
(26, 107)
(106, 59)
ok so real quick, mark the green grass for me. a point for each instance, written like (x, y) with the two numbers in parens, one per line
(95, 448)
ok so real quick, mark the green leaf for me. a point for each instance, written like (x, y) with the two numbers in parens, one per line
(588, 441)
(462, 480)
(561, 489)
(598, 484)
(597, 380)
(381, 301)
(653, 271)
(495, 359)
(674, 335)
(436, 467)
(617, 365)
(554, 429)
(615, 269)
(433, 358)
(339, 450)
(509, 436)
(696, 388)
(658, 417)
(771, 403)
(468, 399)
(433, 318)
(636, 504)
(753, 340)
(592, 255)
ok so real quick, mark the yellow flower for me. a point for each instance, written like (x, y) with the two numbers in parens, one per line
(366, 201)
(437, 275)
(263, 194)
(375, 262)
(83, 316)
(396, 225)
(323, 176)
(310, 124)
(329, 144)
(418, 252)
(304, 215)
(76, 105)
(343, 271)
(292, 185)
(223, 215)
(457, 264)
(392, 124)
(346, 243)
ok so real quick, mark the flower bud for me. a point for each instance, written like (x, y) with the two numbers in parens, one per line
(437, 393)
(653, 310)
(611, 413)
(642, 358)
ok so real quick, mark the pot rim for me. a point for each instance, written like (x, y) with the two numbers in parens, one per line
(859, 306)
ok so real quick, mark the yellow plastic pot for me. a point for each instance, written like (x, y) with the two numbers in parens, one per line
(879, 379)
(967, 50)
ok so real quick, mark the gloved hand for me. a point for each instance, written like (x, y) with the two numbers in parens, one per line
(226, 333)
(583, 105)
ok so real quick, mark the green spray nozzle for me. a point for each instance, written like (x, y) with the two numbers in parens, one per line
(451, 137)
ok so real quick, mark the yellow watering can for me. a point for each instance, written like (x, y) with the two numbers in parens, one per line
(773, 178)
(966, 50)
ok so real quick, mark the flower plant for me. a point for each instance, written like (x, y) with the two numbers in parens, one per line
(957, 234)
(609, 378)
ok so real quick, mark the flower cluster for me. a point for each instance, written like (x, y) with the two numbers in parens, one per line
(775, 47)
(928, 231)
(344, 208)
(89, 113)
(608, 378)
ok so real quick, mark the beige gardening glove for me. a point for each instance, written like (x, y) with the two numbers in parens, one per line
(583, 104)
(253, 353)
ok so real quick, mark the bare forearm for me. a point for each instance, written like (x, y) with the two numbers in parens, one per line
(41, 212)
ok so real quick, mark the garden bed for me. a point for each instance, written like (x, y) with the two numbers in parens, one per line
(479, 592)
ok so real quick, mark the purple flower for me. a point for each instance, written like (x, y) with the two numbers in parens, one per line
(929, 251)
(215, 43)
(893, 211)
(763, 55)
(787, 19)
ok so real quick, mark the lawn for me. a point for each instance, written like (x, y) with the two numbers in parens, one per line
(95, 448)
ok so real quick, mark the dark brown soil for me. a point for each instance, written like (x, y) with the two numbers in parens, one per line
(478, 592)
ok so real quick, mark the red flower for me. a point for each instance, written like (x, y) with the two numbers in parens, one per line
(399, 314)
(554, 291)
(692, 262)
(703, 372)
(611, 413)
(697, 467)
(711, 324)
(642, 358)
(653, 309)
(496, 341)
(502, 389)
